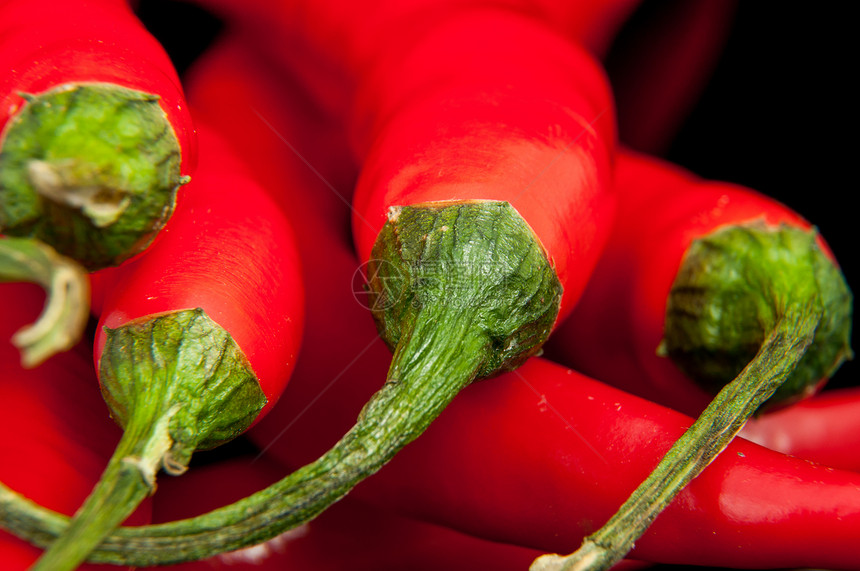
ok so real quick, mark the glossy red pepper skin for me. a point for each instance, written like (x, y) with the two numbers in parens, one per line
(55, 434)
(503, 462)
(824, 429)
(350, 536)
(615, 330)
(228, 250)
(574, 451)
(46, 44)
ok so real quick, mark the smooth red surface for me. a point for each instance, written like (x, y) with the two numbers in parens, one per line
(230, 250)
(824, 429)
(544, 455)
(614, 331)
(45, 44)
(55, 432)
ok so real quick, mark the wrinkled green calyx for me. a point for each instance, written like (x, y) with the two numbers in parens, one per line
(176, 383)
(476, 265)
(732, 287)
(90, 169)
(181, 361)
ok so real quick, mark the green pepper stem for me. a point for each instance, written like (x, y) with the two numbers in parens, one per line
(176, 382)
(128, 479)
(64, 317)
(397, 414)
(696, 448)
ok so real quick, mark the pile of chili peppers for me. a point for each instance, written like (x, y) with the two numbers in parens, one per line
(407, 284)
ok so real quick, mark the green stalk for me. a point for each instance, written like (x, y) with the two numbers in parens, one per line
(64, 316)
(127, 480)
(462, 291)
(396, 414)
(695, 450)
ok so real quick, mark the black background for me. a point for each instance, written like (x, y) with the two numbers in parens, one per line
(780, 115)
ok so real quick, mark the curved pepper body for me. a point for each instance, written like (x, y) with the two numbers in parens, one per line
(548, 436)
(229, 250)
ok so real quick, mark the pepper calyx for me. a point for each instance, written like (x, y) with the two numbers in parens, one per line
(91, 169)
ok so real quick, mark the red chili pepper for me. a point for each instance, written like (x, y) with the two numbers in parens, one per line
(235, 259)
(542, 456)
(88, 100)
(197, 338)
(560, 452)
(823, 429)
(348, 537)
(552, 177)
(55, 435)
(615, 331)
(483, 201)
